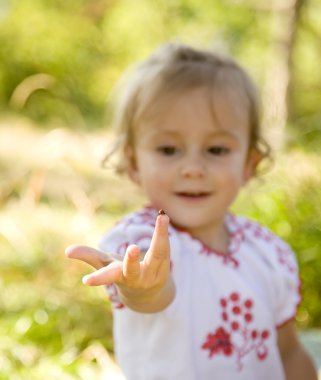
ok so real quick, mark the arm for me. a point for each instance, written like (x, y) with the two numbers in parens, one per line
(296, 362)
(145, 286)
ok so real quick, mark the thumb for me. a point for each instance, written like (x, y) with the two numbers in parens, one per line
(105, 275)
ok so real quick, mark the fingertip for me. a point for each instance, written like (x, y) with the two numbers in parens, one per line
(69, 250)
(133, 252)
(86, 280)
(163, 220)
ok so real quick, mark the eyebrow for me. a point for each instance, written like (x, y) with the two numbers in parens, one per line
(214, 133)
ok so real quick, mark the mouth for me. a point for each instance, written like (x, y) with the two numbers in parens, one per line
(193, 195)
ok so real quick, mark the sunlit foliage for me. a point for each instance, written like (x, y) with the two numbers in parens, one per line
(59, 60)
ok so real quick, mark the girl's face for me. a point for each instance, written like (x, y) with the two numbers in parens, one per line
(192, 164)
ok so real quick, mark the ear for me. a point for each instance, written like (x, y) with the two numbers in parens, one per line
(131, 164)
(253, 159)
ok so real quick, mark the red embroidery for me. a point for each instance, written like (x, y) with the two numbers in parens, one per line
(145, 216)
(141, 238)
(236, 238)
(285, 257)
(259, 231)
(284, 253)
(219, 342)
(114, 297)
(227, 258)
(122, 248)
(235, 337)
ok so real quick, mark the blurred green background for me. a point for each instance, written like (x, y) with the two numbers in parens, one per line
(59, 61)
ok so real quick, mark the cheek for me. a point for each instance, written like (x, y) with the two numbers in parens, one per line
(155, 190)
(150, 168)
(232, 173)
(149, 174)
(155, 179)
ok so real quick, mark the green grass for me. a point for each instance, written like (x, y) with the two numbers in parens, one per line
(53, 193)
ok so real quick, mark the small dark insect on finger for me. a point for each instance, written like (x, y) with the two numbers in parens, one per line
(161, 212)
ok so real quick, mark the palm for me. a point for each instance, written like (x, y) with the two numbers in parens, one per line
(133, 273)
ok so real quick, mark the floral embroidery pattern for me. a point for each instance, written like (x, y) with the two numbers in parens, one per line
(259, 232)
(145, 216)
(227, 258)
(219, 342)
(141, 240)
(114, 297)
(236, 336)
(284, 253)
(236, 239)
(285, 257)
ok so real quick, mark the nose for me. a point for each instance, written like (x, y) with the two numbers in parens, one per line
(193, 167)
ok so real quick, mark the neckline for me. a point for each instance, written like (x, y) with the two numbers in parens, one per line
(234, 229)
(236, 236)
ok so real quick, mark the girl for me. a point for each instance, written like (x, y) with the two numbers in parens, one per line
(197, 293)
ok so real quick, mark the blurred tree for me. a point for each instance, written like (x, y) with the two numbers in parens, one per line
(305, 85)
(284, 28)
(60, 59)
(38, 41)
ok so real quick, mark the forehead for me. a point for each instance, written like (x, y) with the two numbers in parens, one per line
(201, 108)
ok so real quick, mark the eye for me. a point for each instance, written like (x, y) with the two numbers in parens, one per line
(167, 150)
(218, 150)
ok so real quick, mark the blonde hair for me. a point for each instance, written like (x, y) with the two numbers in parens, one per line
(174, 68)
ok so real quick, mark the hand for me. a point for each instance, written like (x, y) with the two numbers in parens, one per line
(140, 283)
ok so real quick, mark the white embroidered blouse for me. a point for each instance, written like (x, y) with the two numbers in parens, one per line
(223, 321)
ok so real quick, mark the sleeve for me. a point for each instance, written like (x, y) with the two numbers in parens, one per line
(287, 283)
(124, 234)
(282, 270)
(131, 230)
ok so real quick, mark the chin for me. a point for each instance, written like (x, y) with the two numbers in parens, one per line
(186, 226)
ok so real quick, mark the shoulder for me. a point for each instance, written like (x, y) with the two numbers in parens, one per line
(251, 228)
(143, 216)
(254, 231)
(265, 242)
(276, 264)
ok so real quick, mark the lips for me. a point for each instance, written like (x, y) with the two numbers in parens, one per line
(192, 195)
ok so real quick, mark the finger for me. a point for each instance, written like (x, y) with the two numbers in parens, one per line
(159, 250)
(104, 276)
(131, 267)
(89, 255)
